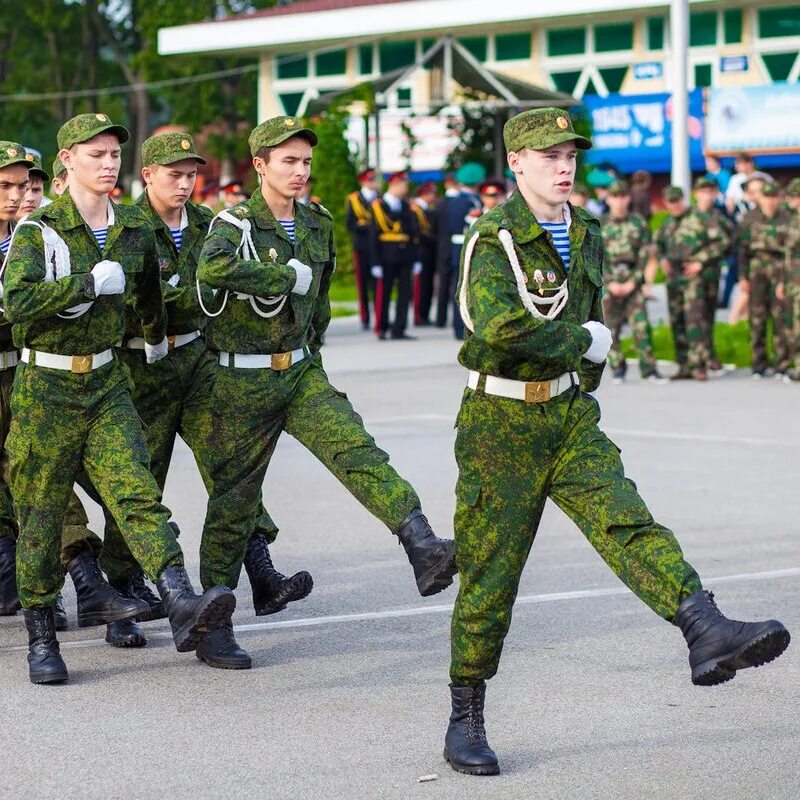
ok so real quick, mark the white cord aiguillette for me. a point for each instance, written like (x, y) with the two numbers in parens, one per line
(247, 251)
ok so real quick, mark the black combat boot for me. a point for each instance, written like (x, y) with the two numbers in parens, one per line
(136, 588)
(193, 616)
(433, 559)
(125, 633)
(718, 646)
(220, 649)
(9, 600)
(272, 591)
(98, 602)
(465, 745)
(45, 664)
(60, 614)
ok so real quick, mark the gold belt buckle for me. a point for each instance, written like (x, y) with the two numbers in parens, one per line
(81, 364)
(537, 391)
(281, 361)
(170, 343)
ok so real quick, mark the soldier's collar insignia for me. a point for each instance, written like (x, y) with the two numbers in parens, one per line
(241, 211)
(562, 123)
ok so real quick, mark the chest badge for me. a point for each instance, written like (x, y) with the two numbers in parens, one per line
(163, 264)
(539, 278)
(273, 254)
(551, 277)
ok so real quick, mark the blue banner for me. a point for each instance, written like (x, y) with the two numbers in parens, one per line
(635, 131)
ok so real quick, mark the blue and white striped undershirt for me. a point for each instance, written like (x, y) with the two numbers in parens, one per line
(288, 226)
(100, 234)
(177, 237)
(4, 243)
(560, 234)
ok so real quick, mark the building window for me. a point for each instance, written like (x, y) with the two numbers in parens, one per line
(477, 45)
(608, 38)
(404, 97)
(779, 65)
(703, 28)
(291, 102)
(591, 87)
(732, 25)
(781, 21)
(427, 44)
(566, 81)
(366, 59)
(655, 33)
(512, 46)
(566, 41)
(293, 66)
(331, 63)
(613, 77)
(395, 55)
(702, 75)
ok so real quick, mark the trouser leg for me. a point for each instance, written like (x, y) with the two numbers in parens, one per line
(759, 300)
(8, 518)
(613, 314)
(403, 299)
(696, 323)
(390, 274)
(677, 321)
(76, 535)
(640, 328)
(361, 273)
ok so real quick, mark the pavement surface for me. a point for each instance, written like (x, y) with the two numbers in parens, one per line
(348, 696)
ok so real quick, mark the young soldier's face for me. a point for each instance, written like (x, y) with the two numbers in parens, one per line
(33, 197)
(59, 184)
(769, 205)
(705, 198)
(793, 201)
(619, 204)
(288, 168)
(675, 207)
(171, 185)
(13, 185)
(94, 165)
(548, 174)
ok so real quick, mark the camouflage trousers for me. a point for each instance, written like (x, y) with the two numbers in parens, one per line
(633, 310)
(172, 397)
(252, 407)
(764, 305)
(62, 423)
(511, 457)
(75, 535)
(691, 326)
(711, 276)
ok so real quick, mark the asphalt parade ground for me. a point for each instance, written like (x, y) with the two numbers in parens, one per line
(348, 696)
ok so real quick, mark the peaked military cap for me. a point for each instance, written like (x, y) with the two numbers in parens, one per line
(168, 148)
(619, 188)
(541, 128)
(58, 167)
(87, 126)
(36, 170)
(705, 182)
(793, 189)
(277, 130)
(770, 189)
(672, 194)
(12, 153)
(471, 173)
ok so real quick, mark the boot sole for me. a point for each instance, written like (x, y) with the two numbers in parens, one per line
(488, 769)
(225, 664)
(57, 677)
(438, 577)
(127, 641)
(94, 618)
(755, 653)
(300, 586)
(216, 612)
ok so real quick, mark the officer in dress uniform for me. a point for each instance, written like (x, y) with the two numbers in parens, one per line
(424, 206)
(358, 218)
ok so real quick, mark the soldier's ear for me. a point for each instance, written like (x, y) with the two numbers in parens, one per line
(65, 156)
(513, 162)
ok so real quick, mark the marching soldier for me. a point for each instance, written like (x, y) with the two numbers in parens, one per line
(69, 269)
(763, 241)
(394, 255)
(792, 280)
(626, 242)
(358, 218)
(528, 430)
(424, 206)
(271, 260)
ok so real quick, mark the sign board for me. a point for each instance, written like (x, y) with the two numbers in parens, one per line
(647, 70)
(734, 64)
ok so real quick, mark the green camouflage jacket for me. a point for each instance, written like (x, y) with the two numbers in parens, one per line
(703, 236)
(6, 339)
(625, 242)
(508, 341)
(183, 309)
(663, 241)
(793, 255)
(304, 319)
(763, 242)
(33, 305)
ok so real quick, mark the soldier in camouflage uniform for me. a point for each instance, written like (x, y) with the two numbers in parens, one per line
(763, 243)
(271, 260)
(626, 239)
(173, 396)
(528, 430)
(694, 250)
(792, 280)
(71, 267)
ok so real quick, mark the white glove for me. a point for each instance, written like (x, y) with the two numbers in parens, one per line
(108, 278)
(304, 276)
(155, 352)
(377, 272)
(601, 342)
(416, 268)
(174, 280)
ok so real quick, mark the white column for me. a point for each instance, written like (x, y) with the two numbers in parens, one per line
(679, 57)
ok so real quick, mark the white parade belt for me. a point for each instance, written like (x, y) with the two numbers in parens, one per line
(78, 364)
(179, 340)
(276, 361)
(529, 391)
(9, 359)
